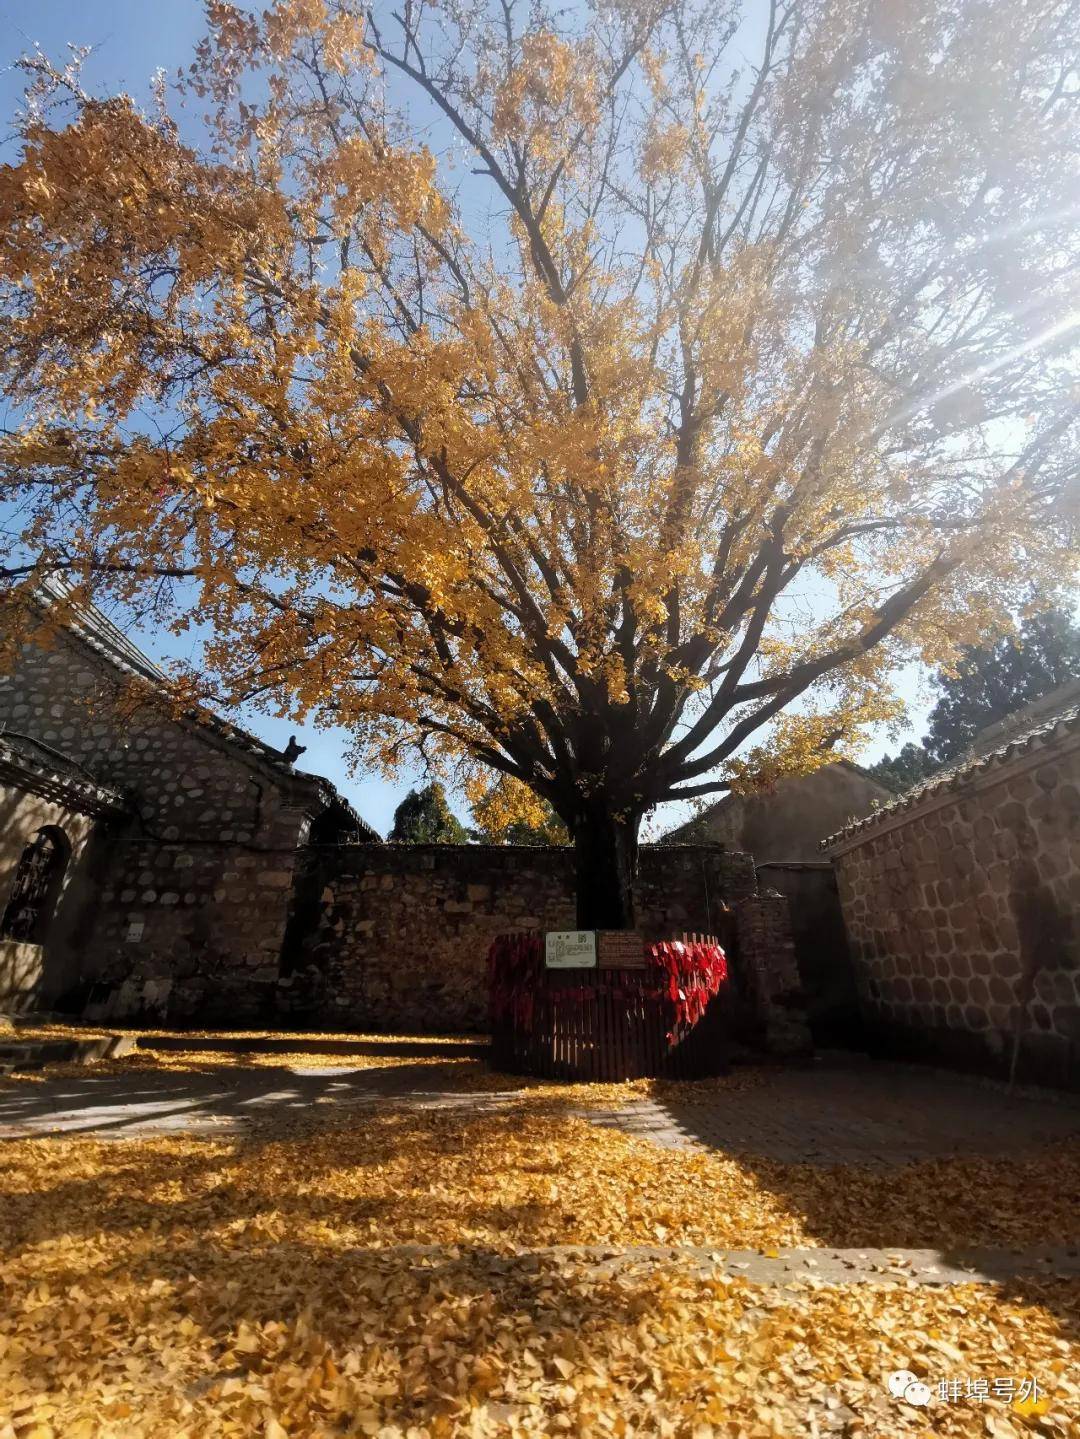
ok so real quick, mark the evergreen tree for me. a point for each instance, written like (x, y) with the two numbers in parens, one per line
(903, 770)
(995, 681)
(424, 817)
(991, 683)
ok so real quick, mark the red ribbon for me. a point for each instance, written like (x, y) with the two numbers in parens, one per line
(681, 975)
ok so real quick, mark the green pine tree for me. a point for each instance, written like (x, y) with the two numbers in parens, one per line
(992, 683)
(424, 817)
(903, 770)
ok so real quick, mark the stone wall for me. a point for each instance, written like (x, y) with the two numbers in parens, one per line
(192, 932)
(766, 957)
(396, 936)
(22, 976)
(182, 781)
(963, 913)
(189, 913)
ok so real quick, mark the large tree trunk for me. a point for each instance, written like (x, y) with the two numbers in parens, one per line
(605, 853)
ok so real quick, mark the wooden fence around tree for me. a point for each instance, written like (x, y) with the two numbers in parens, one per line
(670, 1018)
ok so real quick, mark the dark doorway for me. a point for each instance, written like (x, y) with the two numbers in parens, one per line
(826, 973)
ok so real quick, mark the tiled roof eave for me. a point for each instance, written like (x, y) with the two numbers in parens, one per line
(331, 798)
(981, 768)
(24, 773)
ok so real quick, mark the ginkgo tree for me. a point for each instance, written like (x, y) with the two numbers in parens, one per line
(608, 397)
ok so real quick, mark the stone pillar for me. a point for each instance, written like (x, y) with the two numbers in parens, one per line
(767, 958)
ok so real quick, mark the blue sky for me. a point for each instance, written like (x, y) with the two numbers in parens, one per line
(132, 39)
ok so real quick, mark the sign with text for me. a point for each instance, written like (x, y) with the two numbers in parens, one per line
(570, 949)
(620, 949)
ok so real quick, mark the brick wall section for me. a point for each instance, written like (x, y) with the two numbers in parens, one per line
(396, 936)
(963, 914)
(204, 863)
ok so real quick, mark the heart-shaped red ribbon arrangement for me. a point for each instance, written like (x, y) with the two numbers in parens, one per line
(680, 975)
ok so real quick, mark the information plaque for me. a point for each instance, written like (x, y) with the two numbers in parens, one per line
(570, 949)
(620, 949)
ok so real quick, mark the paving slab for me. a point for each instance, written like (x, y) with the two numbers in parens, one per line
(878, 1115)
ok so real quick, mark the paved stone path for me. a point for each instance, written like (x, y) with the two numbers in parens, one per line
(880, 1115)
(874, 1114)
(792, 1266)
(213, 1101)
(867, 1114)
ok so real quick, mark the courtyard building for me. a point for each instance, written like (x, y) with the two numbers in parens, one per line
(147, 855)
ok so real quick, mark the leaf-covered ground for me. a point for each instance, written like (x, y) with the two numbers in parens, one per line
(270, 1285)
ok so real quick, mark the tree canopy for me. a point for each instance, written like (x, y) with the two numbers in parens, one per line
(610, 398)
(425, 817)
(507, 812)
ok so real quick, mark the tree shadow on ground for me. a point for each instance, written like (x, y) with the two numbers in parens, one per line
(996, 1172)
(327, 1161)
(420, 1339)
(325, 1340)
(263, 1266)
(130, 1093)
(267, 1043)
